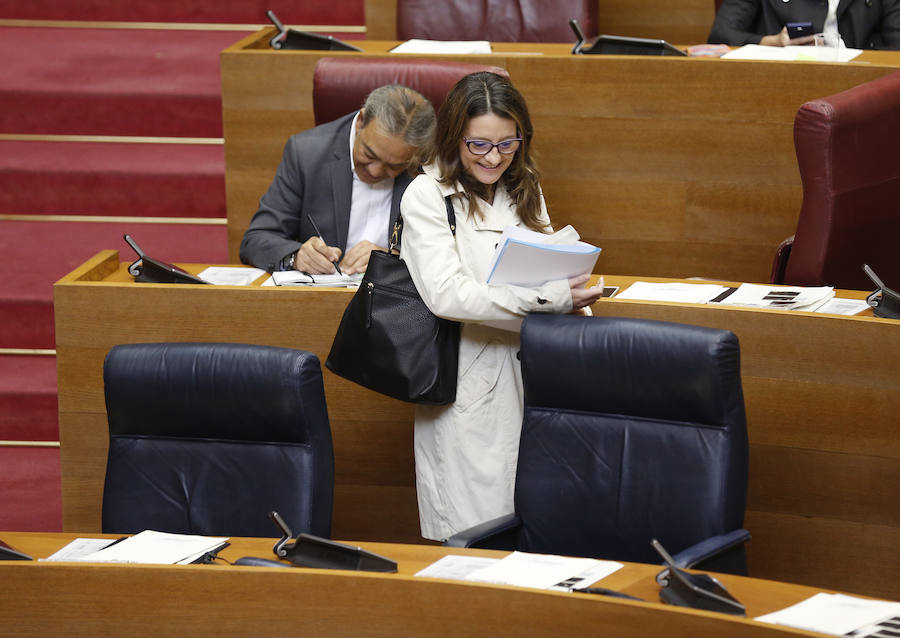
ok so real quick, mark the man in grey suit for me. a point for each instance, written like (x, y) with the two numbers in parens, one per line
(336, 194)
(862, 24)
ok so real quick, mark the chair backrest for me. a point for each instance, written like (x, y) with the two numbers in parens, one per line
(207, 438)
(847, 151)
(495, 20)
(341, 85)
(633, 429)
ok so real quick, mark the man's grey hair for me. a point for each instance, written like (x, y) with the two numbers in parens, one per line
(402, 112)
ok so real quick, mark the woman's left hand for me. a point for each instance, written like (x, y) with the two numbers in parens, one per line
(582, 296)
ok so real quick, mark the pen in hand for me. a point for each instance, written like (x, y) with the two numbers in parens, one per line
(316, 229)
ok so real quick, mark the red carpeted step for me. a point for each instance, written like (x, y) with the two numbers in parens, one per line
(109, 178)
(30, 489)
(143, 82)
(28, 407)
(33, 255)
(345, 12)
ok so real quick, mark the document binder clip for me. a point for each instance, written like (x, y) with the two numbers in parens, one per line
(699, 591)
(307, 550)
(884, 301)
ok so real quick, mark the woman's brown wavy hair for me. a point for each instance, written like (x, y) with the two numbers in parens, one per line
(480, 94)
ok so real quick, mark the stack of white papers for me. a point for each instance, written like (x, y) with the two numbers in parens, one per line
(158, 548)
(788, 53)
(779, 297)
(297, 278)
(677, 292)
(770, 297)
(840, 615)
(444, 47)
(527, 258)
(539, 571)
(231, 275)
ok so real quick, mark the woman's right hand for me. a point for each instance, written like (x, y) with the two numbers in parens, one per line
(582, 296)
(782, 39)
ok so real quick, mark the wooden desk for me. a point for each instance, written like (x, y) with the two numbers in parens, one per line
(821, 396)
(77, 599)
(677, 167)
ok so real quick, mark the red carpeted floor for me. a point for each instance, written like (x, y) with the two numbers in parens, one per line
(38, 253)
(30, 489)
(122, 179)
(310, 12)
(99, 80)
(112, 81)
(28, 407)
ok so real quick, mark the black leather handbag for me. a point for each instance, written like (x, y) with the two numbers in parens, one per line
(389, 341)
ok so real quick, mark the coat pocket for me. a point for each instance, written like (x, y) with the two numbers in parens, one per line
(480, 366)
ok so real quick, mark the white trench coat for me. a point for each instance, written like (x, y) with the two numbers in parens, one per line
(466, 452)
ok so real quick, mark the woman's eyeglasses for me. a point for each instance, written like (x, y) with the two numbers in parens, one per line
(483, 147)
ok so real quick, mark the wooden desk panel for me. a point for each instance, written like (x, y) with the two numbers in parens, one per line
(42, 599)
(821, 394)
(677, 167)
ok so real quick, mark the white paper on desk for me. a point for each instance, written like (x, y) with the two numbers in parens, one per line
(793, 53)
(843, 306)
(231, 275)
(834, 614)
(527, 258)
(779, 297)
(157, 548)
(79, 547)
(298, 278)
(539, 571)
(443, 47)
(673, 291)
(456, 567)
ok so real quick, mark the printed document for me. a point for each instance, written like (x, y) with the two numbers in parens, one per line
(524, 257)
(231, 275)
(794, 52)
(159, 548)
(840, 615)
(443, 47)
(523, 569)
(298, 278)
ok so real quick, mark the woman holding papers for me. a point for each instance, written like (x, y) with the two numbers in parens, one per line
(466, 452)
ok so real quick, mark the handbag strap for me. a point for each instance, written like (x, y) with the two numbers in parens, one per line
(398, 225)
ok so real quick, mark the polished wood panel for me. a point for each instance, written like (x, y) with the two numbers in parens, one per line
(72, 599)
(677, 167)
(821, 394)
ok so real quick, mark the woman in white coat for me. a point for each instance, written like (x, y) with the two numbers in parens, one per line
(466, 452)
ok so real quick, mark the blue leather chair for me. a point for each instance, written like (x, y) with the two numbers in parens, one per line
(207, 438)
(633, 430)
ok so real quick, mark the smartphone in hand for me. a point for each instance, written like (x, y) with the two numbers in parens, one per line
(799, 29)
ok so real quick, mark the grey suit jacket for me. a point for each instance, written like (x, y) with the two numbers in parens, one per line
(863, 24)
(314, 180)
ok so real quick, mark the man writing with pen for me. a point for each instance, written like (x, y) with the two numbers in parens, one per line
(336, 193)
